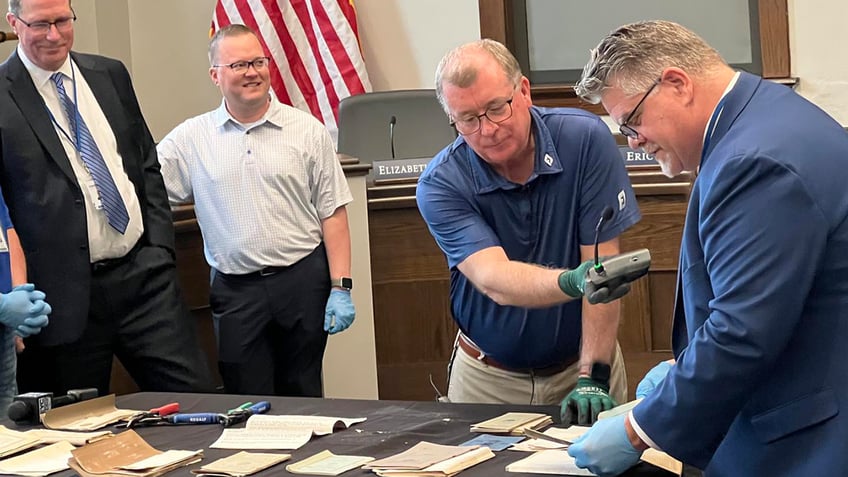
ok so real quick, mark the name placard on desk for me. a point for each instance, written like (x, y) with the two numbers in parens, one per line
(636, 157)
(394, 169)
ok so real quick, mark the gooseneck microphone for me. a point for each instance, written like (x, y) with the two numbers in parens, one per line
(392, 123)
(605, 217)
(27, 408)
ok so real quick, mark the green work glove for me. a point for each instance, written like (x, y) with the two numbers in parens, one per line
(588, 399)
(571, 282)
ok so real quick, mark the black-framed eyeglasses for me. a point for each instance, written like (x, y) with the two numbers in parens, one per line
(242, 66)
(628, 131)
(61, 24)
(496, 114)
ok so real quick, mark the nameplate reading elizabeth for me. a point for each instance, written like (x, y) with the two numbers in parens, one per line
(636, 157)
(393, 169)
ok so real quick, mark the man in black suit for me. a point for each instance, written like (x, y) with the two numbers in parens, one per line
(79, 173)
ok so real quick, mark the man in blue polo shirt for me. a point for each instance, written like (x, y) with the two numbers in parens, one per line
(514, 203)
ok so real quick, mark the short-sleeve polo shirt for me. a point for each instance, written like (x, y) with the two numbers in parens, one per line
(468, 207)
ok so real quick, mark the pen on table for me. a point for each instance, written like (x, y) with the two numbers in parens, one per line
(534, 434)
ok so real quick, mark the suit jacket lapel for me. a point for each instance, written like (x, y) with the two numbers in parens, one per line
(35, 112)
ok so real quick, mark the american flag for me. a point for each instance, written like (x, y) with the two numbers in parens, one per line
(314, 47)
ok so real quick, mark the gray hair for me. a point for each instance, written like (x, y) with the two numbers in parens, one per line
(633, 56)
(15, 7)
(454, 69)
(234, 29)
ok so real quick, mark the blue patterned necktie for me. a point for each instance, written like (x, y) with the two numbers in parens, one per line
(113, 205)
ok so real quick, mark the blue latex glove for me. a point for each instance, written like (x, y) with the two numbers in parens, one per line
(32, 326)
(339, 313)
(652, 379)
(21, 303)
(605, 449)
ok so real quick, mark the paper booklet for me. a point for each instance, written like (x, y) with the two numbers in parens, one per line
(40, 462)
(513, 423)
(327, 463)
(426, 459)
(86, 415)
(241, 464)
(127, 454)
(12, 441)
(280, 432)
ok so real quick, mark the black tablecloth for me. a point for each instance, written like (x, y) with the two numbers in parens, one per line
(391, 427)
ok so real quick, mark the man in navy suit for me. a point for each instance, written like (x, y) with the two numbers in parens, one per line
(79, 174)
(760, 377)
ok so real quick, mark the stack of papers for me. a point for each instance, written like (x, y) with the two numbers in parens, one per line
(128, 454)
(426, 459)
(40, 462)
(513, 423)
(12, 442)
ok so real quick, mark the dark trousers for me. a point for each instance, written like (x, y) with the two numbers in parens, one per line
(137, 314)
(270, 328)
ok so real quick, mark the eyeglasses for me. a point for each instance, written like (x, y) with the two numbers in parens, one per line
(496, 114)
(628, 131)
(61, 24)
(242, 66)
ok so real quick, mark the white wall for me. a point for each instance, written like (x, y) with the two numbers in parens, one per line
(819, 57)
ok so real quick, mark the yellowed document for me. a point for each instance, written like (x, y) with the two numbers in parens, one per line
(241, 464)
(49, 436)
(419, 456)
(40, 462)
(327, 463)
(318, 425)
(86, 415)
(12, 441)
(262, 439)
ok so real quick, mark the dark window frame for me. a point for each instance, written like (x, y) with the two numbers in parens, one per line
(497, 19)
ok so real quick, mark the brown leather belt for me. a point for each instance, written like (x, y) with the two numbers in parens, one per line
(473, 351)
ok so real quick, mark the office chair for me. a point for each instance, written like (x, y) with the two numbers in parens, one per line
(398, 124)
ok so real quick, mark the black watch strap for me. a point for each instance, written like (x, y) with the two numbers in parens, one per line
(600, 373)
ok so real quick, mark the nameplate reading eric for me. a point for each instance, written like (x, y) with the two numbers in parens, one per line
(636, 157)
(400, 168)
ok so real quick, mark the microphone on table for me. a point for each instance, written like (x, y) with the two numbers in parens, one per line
(610, 279)
(28, 408)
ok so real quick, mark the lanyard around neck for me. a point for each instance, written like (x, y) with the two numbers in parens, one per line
(73, 122)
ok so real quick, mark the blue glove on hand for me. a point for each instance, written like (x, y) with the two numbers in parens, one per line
(32, 326)
(653, 379)
(21, 303)
(605, 449)
(339, 313)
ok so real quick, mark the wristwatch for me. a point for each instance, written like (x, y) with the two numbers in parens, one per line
(343, 282)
